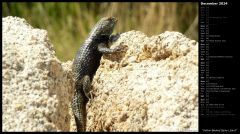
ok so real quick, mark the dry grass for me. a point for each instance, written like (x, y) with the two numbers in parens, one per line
(68, 24)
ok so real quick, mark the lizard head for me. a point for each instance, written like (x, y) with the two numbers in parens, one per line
(105, 26)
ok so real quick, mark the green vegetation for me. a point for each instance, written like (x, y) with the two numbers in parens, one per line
(68, 24)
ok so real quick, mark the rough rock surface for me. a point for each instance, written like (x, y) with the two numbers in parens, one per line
(151, 86)
(35, 82)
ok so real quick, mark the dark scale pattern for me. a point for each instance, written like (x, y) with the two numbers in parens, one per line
(86, 64)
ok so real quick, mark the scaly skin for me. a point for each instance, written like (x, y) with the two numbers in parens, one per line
(86, 64)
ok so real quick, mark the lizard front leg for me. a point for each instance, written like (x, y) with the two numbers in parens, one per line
(114, 38)
(102, 47)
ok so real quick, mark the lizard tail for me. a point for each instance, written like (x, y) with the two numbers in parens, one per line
(79, 110)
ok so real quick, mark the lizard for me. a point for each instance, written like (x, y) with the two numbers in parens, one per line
(86, 63)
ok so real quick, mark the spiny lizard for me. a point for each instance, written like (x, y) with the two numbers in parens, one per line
(86, 64)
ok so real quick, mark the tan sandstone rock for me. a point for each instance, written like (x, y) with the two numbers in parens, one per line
(152, 86)
(36, 85)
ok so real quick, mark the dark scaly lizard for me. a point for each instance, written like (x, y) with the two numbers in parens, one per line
(86, 64)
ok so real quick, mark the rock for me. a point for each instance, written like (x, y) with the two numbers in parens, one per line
(151, 86)
(37, 87)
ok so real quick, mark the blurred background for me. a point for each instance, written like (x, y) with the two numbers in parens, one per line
(68, 24)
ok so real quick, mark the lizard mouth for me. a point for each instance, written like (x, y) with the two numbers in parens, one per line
(113, 19)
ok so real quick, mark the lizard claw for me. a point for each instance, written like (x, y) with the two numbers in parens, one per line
(120, 48)
(89, 96)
